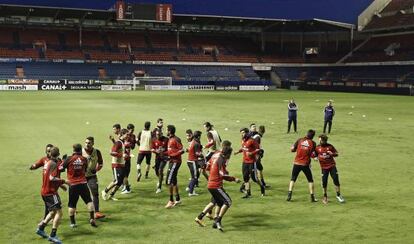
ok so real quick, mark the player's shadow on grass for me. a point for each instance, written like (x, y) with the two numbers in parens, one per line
(250, 222)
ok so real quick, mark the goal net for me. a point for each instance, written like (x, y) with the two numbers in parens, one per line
(151, 81)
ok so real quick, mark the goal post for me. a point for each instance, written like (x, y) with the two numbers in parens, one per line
(151, 81)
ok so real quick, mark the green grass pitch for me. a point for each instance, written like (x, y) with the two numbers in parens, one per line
(375, 166)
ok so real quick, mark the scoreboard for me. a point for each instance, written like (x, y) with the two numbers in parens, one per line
(145, 12)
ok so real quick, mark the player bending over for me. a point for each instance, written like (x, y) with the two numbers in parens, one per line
(76, 166)
(50, 185)
(219, 197)
(326, 153)
(304, 148)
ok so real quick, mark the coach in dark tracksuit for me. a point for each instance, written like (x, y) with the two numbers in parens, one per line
(292, 115)
(329, 114)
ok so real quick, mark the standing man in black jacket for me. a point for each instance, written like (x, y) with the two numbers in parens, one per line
(292, 115)
(329, 114)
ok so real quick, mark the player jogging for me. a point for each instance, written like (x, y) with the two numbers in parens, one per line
(50, 185)
(130, 142)
(144, 143)
(218, 173)
(326, 153)
(304, 148)
(250, 150)
(159, 148)
(76, 166)
(257, 136)
(95, 163)
(42, 161)
(213, 140)
(118, 164)
(195, 154)
(175, 149)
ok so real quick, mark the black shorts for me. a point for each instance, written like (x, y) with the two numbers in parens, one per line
(127, 168)
(52, 202)
(118, 174)
(259, 165)
(249, 170)
(172, 173)
(159, 164)
(306, 170)
(219, 197)
(209, 155)
(201, 164)
(75, 191)
(334, 174)
(141, 157)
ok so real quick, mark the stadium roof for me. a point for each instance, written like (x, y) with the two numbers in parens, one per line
(243, 23)
(345, 11)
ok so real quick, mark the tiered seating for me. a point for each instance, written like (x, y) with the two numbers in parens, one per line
(113, 56)
(136, 40)
(396, 5)
(373, 50)
(28, 53)
(161, 56)
(52, 54)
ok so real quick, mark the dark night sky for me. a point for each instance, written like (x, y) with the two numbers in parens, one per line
(337, 10)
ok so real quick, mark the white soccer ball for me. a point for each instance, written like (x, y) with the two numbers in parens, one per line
(390, 118)
(317, 100)
(87, 122)
(350, 113)
(184, 119)
(226, 129)
(273, 123)
(363, 116)
(184, 109)
(352, 106)
(237, 121)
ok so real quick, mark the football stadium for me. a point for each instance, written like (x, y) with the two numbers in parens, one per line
(146, 121)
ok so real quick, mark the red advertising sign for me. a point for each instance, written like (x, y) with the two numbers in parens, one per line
(164, 13)
(120, 10)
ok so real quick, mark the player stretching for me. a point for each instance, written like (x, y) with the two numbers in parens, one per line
(95, 163)
(130, 142)
(218, 173)
(326, 154)
(213, 140)
(50, 185)
(159, 147)
(144, 143)
(175, 149)
(304, 148)
(195, 154)
(118, 164)
(250, 150)
(76, 166)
